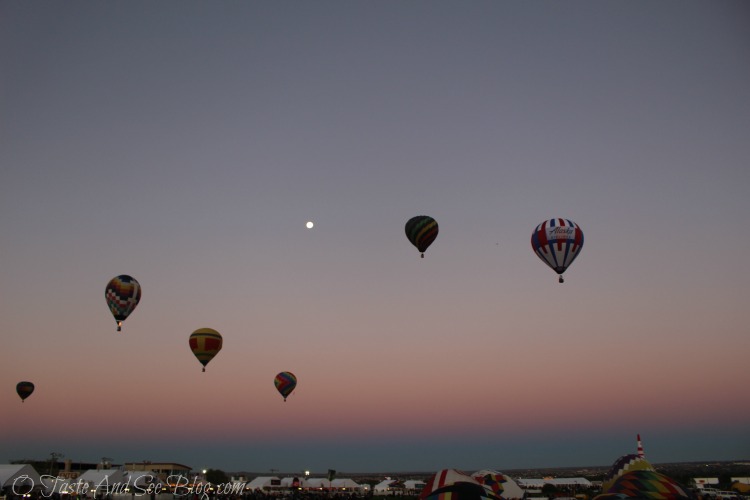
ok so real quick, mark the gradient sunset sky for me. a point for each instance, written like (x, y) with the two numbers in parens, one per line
(187, 143)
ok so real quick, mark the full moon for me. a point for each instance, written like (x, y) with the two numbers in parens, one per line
(309, 224)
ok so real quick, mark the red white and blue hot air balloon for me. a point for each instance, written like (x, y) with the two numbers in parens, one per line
(557, 242)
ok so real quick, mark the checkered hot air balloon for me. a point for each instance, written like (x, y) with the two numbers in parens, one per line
(205, 344)
(557, 242)
(123, 293)
(285, 383)
(421, 231)
(24, 390)
(623, 465)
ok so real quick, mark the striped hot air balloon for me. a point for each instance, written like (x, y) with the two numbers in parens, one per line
(451, 484)
(421, 232)
(285, 383)
(205, 344)
(123, 293)
(557, 242)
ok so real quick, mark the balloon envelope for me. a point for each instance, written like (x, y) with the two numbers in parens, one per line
(123, 293)
(557, 242)
(623, 465)
(450, 484)
(285, 383)
(24, 389)
(421, 231)
(498, 483)
(648, 484)
(205, 344)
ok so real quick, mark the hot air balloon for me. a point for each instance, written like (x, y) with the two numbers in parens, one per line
(451, 484)
(648, 484)
(123, 293)
(557, 242)
(285, 383)
(24, 389)
(421, 231)
(623, 465)
(499, 484)
(205, 344)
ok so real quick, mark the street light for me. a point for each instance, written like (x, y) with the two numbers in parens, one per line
(53, 460)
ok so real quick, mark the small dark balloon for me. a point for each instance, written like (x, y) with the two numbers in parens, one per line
(421, 231)
(24, 390)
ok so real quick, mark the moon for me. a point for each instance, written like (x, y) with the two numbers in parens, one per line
(309, 224)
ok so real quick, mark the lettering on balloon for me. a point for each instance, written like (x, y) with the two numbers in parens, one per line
(560, 232)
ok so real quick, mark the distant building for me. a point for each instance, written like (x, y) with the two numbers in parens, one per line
(700, 482)
(559, 482)
(162, 469)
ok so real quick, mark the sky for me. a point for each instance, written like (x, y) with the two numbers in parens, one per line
(187, 144)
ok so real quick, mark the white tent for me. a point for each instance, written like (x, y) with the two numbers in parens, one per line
(142, 479)
(345, 484)
(264, 482)
(558, 481)
(318, 482)
(293, 482)
(19, 476)
(388, 487)
(104, 481)
(413, 486)
(59, 485)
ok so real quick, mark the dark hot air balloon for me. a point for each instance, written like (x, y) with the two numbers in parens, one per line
(285, 383)
(205, 344)
(421, 231)
(24, 389)
(123, 294)
(557, 242)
